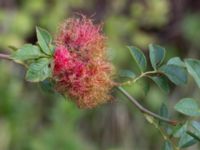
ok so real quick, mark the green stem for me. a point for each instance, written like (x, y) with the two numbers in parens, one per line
(144, 110)
(162, 132)
(145, 74)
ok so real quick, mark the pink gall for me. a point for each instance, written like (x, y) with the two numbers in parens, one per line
(81, 69)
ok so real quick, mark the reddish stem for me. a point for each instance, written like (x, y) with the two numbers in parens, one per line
(5, 56)
(144, 110)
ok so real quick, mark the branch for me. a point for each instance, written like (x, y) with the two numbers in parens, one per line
(5, 56)
(144, 110)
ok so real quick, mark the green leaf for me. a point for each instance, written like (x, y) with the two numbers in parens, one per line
(186, 140)
(47, 86)
(193, 134)
(167, 146)
(127, 74)
(139, 57)
(44, 40)
(176, 61)
(195, 130)
(26, 52)
(39, 70)
(193, 67)
(176, 74)
(157, 55)
(52, 48)
(188, 106)
(180, 130)
(146, 87)
(13, 47)
(162, 82)
(196, 126)
(164, 111)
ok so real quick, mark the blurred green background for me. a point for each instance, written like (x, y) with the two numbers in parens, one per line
(33, 120)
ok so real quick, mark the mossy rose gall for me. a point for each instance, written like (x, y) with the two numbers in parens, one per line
(81, 69)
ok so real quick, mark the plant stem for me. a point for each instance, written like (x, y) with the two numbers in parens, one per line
(5, 56)
(145, 74)
(162, 132)
(144, 110)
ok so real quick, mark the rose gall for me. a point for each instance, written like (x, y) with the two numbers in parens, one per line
(81, 69)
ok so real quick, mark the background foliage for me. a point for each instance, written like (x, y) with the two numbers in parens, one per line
(32, 119)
